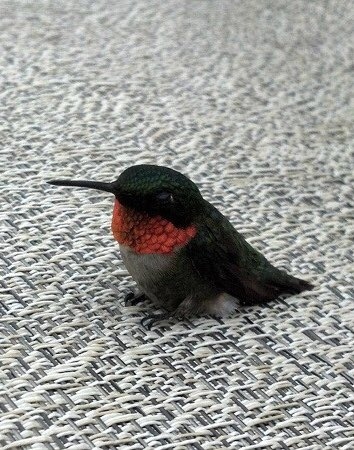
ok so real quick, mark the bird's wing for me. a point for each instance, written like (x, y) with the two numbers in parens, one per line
(221, 255)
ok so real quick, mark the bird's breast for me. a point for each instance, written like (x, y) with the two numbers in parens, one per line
(145, 234)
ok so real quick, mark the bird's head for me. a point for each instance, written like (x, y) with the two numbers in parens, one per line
(153, 190)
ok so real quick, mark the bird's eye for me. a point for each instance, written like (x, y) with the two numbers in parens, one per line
(165, 197)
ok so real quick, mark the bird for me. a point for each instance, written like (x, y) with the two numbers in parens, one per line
(182, 252)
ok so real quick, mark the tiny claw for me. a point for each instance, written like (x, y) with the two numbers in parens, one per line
(128, 298)
(148, 321)
(132, 299)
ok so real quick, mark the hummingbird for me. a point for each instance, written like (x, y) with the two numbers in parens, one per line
(182, 252)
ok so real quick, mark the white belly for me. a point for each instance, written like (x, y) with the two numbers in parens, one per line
(145, 269)
(148, 270)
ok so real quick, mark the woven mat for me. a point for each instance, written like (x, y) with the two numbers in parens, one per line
(254, 101)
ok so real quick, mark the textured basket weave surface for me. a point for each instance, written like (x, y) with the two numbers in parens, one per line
(254, 101)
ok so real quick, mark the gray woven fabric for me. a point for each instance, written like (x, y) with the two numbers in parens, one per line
(254, 101)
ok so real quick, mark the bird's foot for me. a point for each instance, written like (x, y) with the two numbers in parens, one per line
(148, 321)
(132, 299)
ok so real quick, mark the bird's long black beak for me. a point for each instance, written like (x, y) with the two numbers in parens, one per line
(107, 187)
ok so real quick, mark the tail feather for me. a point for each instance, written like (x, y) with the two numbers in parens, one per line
(292, 285)
(258, 292)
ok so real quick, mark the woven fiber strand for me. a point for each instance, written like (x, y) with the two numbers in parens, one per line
(254, 101)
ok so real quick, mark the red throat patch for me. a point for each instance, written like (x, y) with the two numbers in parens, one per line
(145, 234)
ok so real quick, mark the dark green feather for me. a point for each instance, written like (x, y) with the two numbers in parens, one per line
(220, 254)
